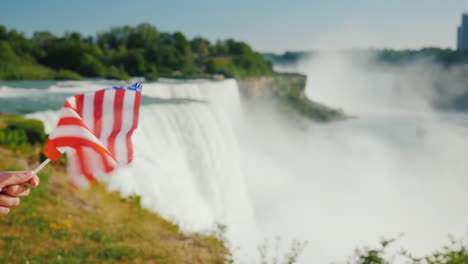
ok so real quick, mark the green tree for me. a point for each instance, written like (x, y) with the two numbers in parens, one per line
(143, 36)
(200, 46)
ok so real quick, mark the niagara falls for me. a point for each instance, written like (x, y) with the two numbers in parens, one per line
(253, 132)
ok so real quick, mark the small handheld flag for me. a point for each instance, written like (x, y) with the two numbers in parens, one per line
(95, 130)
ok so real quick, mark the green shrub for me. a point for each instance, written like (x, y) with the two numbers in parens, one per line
(152, 74)
(67, 75)
(28, 71)
(270, 252)
(14, 139)
(33, 129)
(117, 74)
(295, 102)
(21, 135)
(454, 253)
(222, 66)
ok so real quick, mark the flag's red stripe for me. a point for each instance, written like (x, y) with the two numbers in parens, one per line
(70, 121)
(68, 105)
(73, 121)
(107, 166)
(77, 142)
(73, 185)
(79, 104)
(87, 171)
(136, 113)
(51, 151)
(118, 106)
(98, 105)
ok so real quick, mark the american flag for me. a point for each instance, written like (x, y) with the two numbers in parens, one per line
(95, 130)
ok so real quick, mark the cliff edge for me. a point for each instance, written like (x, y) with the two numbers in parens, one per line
(287, 89)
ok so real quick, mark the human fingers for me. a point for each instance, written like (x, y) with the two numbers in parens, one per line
(19, 190)
(8, 201)
(34, 181)
(15, 177)
(4, 210)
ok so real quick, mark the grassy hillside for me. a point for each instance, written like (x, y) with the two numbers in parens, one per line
(60, 224)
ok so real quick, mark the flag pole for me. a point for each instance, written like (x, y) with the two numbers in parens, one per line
(41, 166)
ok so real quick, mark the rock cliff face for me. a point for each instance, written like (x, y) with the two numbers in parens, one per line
(289, 91)
(278, 85)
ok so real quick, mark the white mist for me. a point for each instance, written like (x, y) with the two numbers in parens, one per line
(399, 168)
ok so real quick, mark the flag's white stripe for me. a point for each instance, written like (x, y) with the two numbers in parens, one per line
(88, 110)
(108, 115)
(127, 122)
(74, 170)
(72, 101)
(67, 112)
(63, 149)
(75, 131)
(111, 161)
(72, 162)
(93, 160)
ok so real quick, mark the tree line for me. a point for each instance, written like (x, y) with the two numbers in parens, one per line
(387, 57)
(122, 52)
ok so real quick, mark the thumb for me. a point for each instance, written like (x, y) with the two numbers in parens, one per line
(14, 177)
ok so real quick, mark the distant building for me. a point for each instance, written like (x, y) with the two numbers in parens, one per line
(462, 43)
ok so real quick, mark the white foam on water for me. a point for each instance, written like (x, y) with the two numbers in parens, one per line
(10, 92)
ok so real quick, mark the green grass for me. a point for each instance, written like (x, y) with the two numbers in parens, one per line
(59, 224)
(295, 102)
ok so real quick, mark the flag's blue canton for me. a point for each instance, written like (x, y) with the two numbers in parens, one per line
(135, 87)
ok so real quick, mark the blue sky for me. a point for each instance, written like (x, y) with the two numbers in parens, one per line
(267, 25)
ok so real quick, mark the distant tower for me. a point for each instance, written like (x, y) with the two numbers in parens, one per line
(462, 43)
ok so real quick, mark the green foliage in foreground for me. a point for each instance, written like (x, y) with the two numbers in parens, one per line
(122, 52)
(269, 252)
(454, 253)
(97, 246)
(20, 134)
